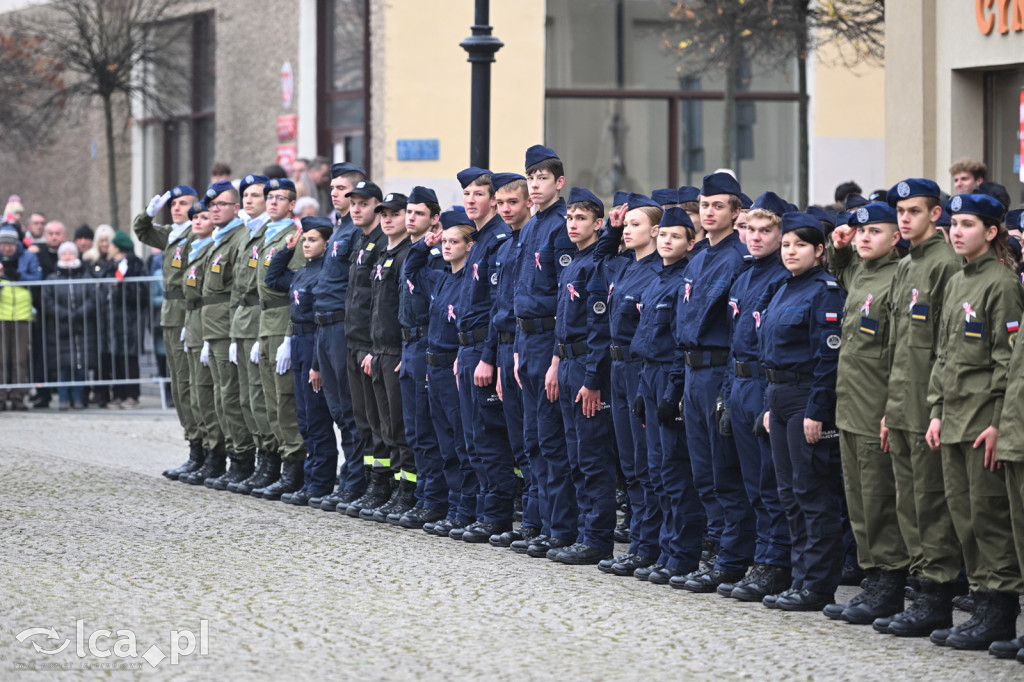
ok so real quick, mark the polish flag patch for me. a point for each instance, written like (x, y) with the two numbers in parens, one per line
(831, 317)
(1012, 326)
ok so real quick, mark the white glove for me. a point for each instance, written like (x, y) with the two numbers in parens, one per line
(184, 347)
(204, 354)
(284, 355)
(254, 354)
(156, 203)
(182, 339)
(233, 353)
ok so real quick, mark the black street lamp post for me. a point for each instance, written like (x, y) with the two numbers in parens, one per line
(481, 47)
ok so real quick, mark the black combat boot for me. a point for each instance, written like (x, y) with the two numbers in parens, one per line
(835, 611)
(932, 609)
(977, 616)
(382, 510)
(270, 476)
(405, 503)
(998, 622)
(242, 466)
(244, 487)
(292, 476)
(885, 600)
(770, 580)
(196, 455)
(213, 466)
(378, 492)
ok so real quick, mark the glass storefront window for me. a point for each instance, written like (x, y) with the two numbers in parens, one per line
(1004, 112)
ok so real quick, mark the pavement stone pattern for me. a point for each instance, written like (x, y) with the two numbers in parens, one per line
(92, 531)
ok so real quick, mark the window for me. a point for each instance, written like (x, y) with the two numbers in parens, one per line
(622, 115)
(1004, 111)
(179, 131)
(343, 80)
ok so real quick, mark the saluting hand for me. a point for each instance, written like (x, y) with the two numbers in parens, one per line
(842, 236)
(989, 437)
(433, 237)
(291, 240)
(617, 216)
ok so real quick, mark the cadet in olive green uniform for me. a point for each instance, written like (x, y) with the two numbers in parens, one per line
(174, 240)
(917, 297)
(968, 385)
(228, 237)
(863, 378)
(278, 385)
(197, 262)
(245, 331)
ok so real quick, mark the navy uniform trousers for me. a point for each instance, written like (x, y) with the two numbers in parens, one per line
(332, 354)
(315, 422)
(632, 446)
(458, 472)
(431, 489)
(512, 406)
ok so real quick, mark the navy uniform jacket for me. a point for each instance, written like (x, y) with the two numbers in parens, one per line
(414, 302)
(627, 280)
(801, 331)
(702, 321)
(481, 281)
(582, 313)
(443, 288)
(654, 341)
(503, 317)
(358, 298)
(385, 331)
(544, 249)
(332, 288)
(301, 293)
(755, 286)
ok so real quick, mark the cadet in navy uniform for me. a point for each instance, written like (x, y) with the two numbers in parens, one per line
(666, 198)
(681, 521)
(544, 249)
(314, 417)
(628, 275)
(483, 420)
(799, 335)
(743, 403)
(513, 204)
(422, 215)
(364, 198)
(584, 384)
(703, 338)
(331, 355)
(444, 289)
(384, 363)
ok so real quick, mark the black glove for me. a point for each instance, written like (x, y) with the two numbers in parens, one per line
(725, 423)
(639, 409)
(759, 429)
(668, 412)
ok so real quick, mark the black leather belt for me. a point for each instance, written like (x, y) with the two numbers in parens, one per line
(303, 328)
(274, 303)
(747, 370)
(620, 353)
(329, 318)
(779, 376)
(469, 338)
(441, 359)
(174, 295)
(413, 333)
(506, 337)
(193, 304)
(571, 350)
(216, 298)
(699, 359)
(532, 325)
(248, 300)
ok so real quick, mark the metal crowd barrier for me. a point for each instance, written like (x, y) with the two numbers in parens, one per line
(90, 332)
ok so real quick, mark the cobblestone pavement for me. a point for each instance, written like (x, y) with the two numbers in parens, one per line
(92, 532)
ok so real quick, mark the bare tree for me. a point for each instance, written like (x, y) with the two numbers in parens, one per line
(105, 50)
(27, 79)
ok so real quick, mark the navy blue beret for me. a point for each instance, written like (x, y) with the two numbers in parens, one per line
(822, 214)
(346, 167)
(313, 222)
(665, 196)
(251, 180)
(422, 195)
(719, 183)
(635, 200)
(538, 153)
(981, 205)
(278, 183)
(945, 220)
(874, 212)
(467, 176)
(675, 216)
(745, 201)
(454, 218)
(912, 187)
(578, 194)
(794, 220)
(1014, 220)
(770, 201)
(499, 180)
(183, 191)
(198, 207)
(217, 188)
(620, 198)
(855, 201)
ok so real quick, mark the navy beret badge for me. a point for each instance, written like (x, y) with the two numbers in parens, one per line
(176, 192)
(862, 215)
(274, 184)
(249, 179)
(956, 204)
(211, 193)
(903, 189)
